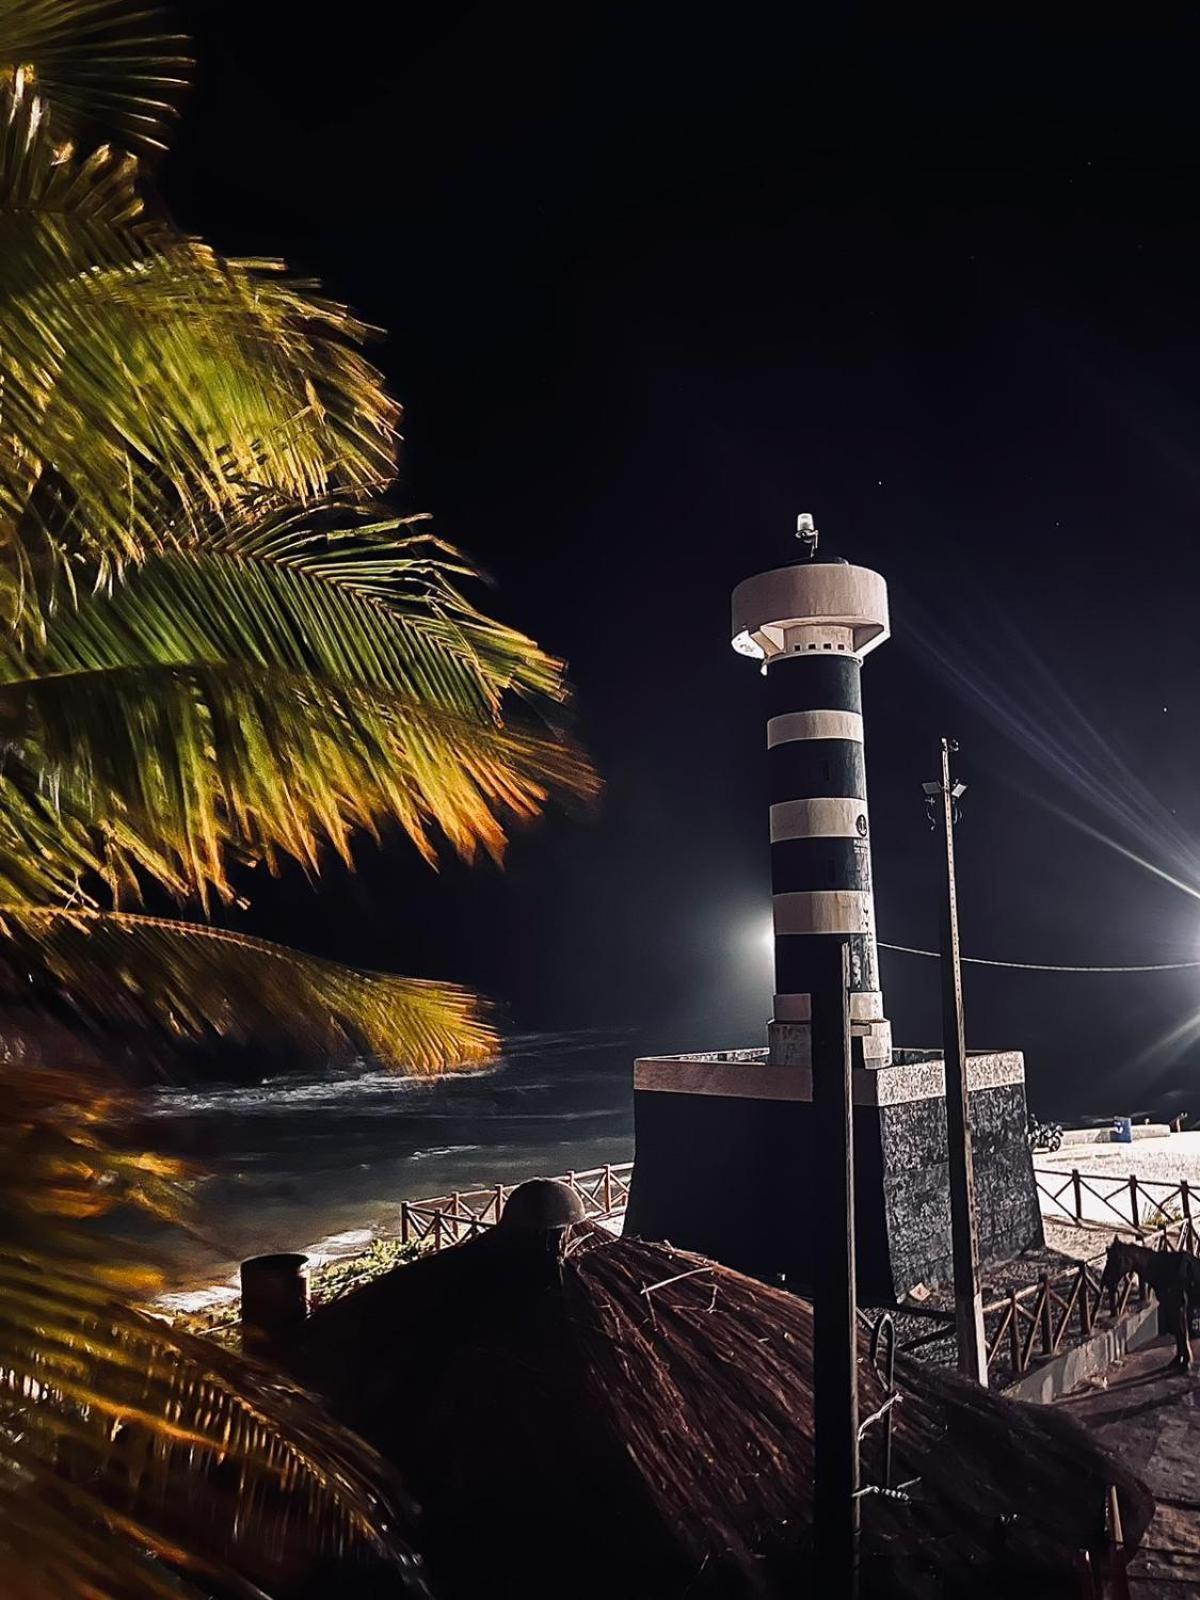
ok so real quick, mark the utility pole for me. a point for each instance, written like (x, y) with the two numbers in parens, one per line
(835, 1306)
(942, 798)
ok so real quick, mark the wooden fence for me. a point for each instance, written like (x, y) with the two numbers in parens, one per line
(442, 1220)
(451, 1218)
(1038, 1321)
(1144, 1204)
(1028, 1324)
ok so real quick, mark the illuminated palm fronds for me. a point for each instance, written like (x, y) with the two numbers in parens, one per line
(215, 704)
(128, 1449)
(124, 967)
(106, 65)
(146, 383)
(222, 649)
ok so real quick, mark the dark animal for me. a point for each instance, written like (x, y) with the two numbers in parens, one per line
(1174, 1275)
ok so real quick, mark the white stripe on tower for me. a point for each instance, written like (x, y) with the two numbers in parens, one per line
(824, 911)
(814, 725)
(828, 818)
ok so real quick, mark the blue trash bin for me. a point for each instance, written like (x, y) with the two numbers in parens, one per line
(1123, 1130)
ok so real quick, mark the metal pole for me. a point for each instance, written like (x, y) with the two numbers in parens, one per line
(968, 1298)
(835, 1331)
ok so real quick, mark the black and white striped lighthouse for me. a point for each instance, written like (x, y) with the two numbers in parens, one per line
(811, 624)
(732, 1149)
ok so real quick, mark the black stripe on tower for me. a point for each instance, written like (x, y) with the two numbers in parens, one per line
(820, 863)
(794, 963)
(812, 681)
(800, 769)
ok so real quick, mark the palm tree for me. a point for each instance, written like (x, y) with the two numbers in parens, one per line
(220, 648)
(136, 1462)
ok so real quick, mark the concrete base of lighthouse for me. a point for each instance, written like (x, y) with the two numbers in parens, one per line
(723, 1165)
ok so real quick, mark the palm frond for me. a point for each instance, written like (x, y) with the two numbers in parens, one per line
(194, 980)
(196, 763)
(146, 382)
(348, 594)
(130, 1452)
(399, 585)
(45, 851)
(105, 65)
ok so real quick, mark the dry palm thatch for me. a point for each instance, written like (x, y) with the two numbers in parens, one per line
(107, 65)
(137, 1463)
(624, 1418)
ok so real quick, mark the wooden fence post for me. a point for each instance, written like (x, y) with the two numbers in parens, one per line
(1014, 1335)
(1046, 1317)
(1185, 1205)
(1133, 1200)
(404, 1222)
(437, 1229)
(498, 1202)
(1085, 1301)
(1077, 1186)
(1114, 1546)
(608, 1188)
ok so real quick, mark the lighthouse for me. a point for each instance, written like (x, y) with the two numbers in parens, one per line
(725, 1158)
(811, 624)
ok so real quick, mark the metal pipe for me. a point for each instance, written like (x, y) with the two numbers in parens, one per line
(968, 1298)
(835, 1312)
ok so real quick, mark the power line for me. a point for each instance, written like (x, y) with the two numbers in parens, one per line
(1041, 966)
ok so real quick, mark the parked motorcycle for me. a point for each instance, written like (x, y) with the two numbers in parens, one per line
(1044, 1135)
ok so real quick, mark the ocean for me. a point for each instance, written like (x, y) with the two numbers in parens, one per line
(319, 1162)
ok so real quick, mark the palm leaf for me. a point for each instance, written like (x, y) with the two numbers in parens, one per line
(105, 65)
(128, 1449)
(194, 763)
(146, 382)
(45, 852)
(398, 585)
(351, 597)
(196, 980)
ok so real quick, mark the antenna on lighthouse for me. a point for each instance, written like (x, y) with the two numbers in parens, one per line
(807, 533)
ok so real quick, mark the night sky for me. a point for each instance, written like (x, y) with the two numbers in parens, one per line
(655, 281)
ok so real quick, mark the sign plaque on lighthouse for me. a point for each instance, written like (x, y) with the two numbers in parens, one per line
(724, 1138)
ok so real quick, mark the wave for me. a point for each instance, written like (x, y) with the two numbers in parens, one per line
(369, 1090)
(434, 1150)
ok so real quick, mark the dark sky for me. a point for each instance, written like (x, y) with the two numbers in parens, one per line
(654, 281)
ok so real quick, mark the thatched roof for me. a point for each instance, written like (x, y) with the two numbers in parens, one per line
(597, 1416)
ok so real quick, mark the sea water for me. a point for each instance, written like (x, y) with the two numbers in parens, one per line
(320, 1161)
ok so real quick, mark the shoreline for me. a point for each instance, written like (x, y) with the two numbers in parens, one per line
(200, 1293)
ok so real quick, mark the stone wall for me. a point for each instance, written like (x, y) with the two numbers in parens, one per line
(730, 1174)
(916, 1183)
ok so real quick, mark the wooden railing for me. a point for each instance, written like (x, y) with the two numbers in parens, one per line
(442, 1220)
(1026, 1325)
(1144, 1204)
(451, 1218)
(1038, 1321)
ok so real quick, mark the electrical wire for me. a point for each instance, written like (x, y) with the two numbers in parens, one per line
(1042, 966)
